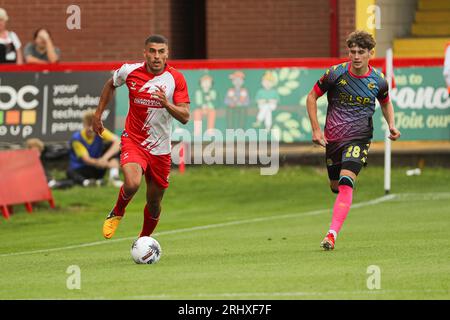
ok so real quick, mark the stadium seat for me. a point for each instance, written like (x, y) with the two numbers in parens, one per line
(430, 31)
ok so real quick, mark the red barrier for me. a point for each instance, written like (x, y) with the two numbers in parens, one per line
(221, 64)
(22, 180)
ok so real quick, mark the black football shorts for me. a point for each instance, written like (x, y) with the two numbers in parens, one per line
(349, 155)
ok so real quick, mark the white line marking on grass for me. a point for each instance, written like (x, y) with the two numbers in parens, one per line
(423, 196)
(265, 295)
(205, 227)
(278, 294)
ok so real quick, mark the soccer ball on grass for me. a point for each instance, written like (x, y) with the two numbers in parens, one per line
(146, 250)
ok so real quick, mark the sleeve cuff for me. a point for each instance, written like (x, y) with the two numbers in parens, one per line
(116, 79)
(385, 100)
(181, 101)
(318, 91)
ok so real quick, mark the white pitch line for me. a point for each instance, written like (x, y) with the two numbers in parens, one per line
(423, 196)
(205, 227)
(278, 294)
(265, 295)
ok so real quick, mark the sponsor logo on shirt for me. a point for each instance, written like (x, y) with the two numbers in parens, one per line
(352, 100)
(148, 102)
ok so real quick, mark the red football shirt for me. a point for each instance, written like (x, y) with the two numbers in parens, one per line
(148, 123)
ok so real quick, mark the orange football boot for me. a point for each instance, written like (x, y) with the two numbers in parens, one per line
(110, 225)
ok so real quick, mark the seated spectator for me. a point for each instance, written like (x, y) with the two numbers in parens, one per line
(41, 50)
(44, 155)
(9, 42)
(88, 159)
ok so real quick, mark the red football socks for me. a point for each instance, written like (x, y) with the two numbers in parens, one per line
(149, 223)
(122, 202)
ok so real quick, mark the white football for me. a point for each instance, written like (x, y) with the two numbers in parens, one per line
(146, 250)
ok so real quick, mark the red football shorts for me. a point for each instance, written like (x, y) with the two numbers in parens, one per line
(156, 167)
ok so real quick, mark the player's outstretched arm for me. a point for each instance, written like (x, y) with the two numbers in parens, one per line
(388, 113)
(105, 98)
(311, 106)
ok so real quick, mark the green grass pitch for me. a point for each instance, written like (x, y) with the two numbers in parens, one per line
(230, 233)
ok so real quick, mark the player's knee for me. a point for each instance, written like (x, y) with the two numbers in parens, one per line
(131, 186)
(346, 181)
(334, 190)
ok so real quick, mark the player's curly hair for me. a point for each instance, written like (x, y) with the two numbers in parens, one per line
(362, 39)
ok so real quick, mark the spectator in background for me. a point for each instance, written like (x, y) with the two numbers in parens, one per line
(88, 159)
(9, 42)
(44, 155)
(41, 50)
(38, 145)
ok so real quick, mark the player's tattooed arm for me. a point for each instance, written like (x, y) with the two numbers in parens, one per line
(105, 98)
(179, 111)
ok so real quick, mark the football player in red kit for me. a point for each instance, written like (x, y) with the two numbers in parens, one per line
(157, 93)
